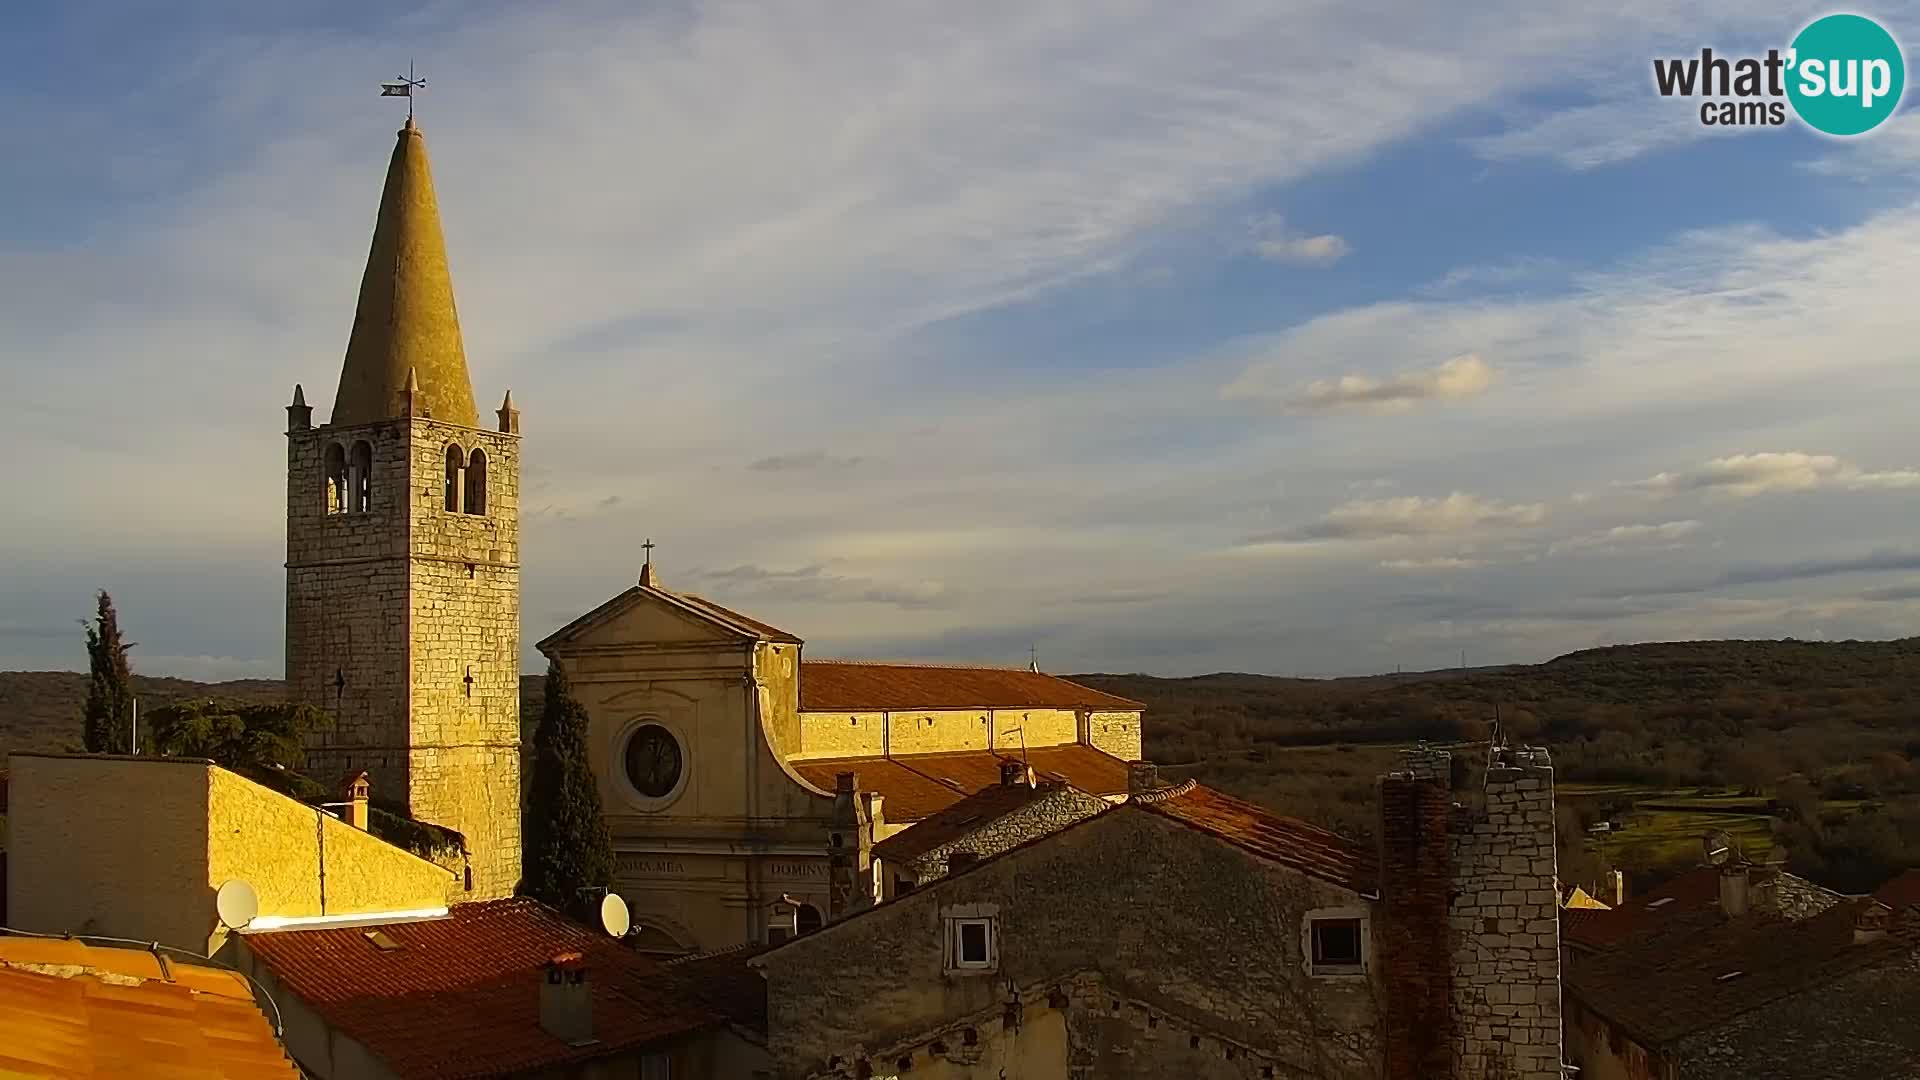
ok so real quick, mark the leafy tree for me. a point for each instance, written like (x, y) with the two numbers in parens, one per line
(568, 852)
(108, 713)
(247, 737)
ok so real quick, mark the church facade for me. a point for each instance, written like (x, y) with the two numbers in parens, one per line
(746, 786)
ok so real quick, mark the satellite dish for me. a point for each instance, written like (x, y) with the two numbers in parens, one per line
(614, 918)
(236, 904)
(1719, 846)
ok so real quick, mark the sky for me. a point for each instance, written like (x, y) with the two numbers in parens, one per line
(1299, 338)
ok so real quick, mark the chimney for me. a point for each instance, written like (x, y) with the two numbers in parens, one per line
(849, 848)
(1733, 890)
(1870, 922)
(566, 1000)
(1142, 777)
(1013, 773)
(1416, 870)
(353, 794)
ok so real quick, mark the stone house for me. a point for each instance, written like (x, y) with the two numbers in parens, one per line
(137, 847)
(991, 820)
(501, 988)
(1229, 942)
(1708, 995)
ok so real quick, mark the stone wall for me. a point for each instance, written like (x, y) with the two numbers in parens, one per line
(928, 731)
(347, 624)
(464, 608)
(404, 621)
(1118, 733)
(85, 826)
(1181, 928)
(1506, 927)
(1060, 807)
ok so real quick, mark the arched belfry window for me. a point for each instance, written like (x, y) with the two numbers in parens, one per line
(455, 460)
(477, 482)
(336, 468)
(360, 478)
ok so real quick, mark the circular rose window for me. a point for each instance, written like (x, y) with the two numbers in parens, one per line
(653, 761)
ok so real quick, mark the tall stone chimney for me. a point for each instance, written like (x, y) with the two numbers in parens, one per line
(1506, 991)
(1142, 777)
(849, 848)
(1470, 934)
(566, 1000)
(1416, 811)
(1734, 899)
(354, 793)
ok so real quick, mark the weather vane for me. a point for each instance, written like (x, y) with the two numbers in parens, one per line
(404, 86)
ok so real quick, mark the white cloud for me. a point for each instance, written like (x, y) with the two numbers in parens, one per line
(1376, 519)
(1274, 241)
(1451, 380)
(1747, 475)
(1666, 534)
(1435, 565)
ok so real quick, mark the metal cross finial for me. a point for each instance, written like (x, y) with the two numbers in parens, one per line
(404, 86)
(648, 546)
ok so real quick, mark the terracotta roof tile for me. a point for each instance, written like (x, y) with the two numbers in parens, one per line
(61, 1016)
(966, 816)
(1696, 890)
(1699, 969)
(917, 786)
(1288, 841)
(460, 996)
(852, 686)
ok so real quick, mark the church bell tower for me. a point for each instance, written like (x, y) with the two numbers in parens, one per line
(403, 552)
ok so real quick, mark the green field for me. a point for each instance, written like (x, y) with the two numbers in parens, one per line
(1667, 825)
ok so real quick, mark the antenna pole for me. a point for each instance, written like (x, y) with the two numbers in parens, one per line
(135, 747)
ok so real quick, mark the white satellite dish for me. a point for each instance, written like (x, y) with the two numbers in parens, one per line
(614, 918)
(236, 904)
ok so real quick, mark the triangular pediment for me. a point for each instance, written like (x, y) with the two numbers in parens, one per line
(643, 616)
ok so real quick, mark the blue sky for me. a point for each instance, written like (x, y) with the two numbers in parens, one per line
(1305, 338)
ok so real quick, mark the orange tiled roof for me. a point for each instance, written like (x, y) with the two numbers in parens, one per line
(1290, 842)
(68, 1009)
(918, 786)
(1694, 891)
(851, 685)
(976, 810)
(1699, 969)
(460, 996)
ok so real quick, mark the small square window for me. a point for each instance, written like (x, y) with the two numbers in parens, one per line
(1336, 944)
(973, 944)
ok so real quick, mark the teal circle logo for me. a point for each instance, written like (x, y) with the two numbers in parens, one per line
(1847, 74)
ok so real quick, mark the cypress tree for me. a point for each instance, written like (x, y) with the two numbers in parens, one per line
(567, 851)
(108, 713)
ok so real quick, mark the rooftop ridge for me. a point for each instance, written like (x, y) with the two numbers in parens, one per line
(1163, 794)
(942, 664)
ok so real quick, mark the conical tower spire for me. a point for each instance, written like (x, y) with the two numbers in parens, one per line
(405, 321)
